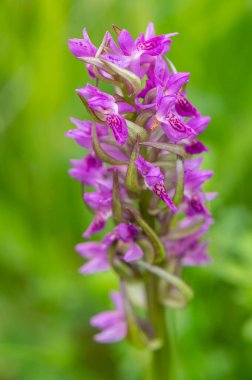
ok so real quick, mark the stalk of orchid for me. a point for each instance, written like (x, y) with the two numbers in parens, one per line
(142, 141)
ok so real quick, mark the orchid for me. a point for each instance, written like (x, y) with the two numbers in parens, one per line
(105, 106)
(112, 323)
(141, 172)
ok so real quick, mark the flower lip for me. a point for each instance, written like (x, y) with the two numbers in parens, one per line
(184, 107)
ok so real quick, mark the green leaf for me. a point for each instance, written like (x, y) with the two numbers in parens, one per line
(117, 206)
(144, 116)
(97, 62)
(92, 113)
(171, 148)
(135, 130)
(185, 290)
(104, 156)
(131, 182)
(131, 81)
(158, 246)
(137, 333)
(179, 192)
(105, 79)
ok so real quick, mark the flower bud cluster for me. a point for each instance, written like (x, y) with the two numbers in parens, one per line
(143, 171)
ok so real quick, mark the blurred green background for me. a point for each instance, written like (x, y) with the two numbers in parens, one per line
(45, 304)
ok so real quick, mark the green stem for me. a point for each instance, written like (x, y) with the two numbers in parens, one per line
(161, 357)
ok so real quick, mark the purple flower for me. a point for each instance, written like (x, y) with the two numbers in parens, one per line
(126, 233)
(154, 46)
(107, 109)
(195, 205)
(175, 128)
(196, 255)
(154, 180)
(184, 107)
(113, 324)
(195, 147)
(96, 254)
(190, 250)
(195, 178)
(83, 48)
(88, 170)
(83, 134)
(161, 83)
(199, 123)
(135, 54)
(100, 200)
(172, 124)
(98, 223)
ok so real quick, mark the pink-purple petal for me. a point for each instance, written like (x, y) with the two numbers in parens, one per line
(112, 334)
(133, 253)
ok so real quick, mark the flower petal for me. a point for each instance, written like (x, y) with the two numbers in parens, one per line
(106, 319)
(95, 265)
(97, 225)
(134, 253)
(119, 127)
(184, 107)
(112, 334)
(175, 129)
(195, 147)
(126, 42)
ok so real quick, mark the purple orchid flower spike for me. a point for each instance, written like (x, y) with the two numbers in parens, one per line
(143, 133)
(112, 323)
(154, 180)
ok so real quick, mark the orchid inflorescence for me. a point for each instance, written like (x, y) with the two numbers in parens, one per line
(141, 167)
